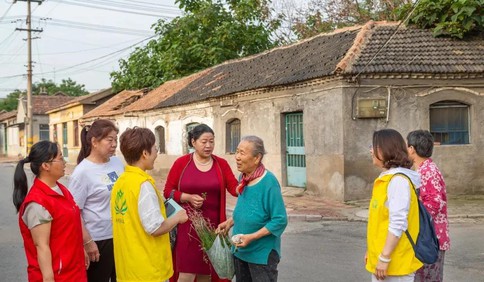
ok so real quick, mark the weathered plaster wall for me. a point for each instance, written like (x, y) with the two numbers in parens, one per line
(461, 165)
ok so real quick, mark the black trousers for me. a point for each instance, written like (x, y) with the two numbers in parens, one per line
(103, 270)
(251, 272)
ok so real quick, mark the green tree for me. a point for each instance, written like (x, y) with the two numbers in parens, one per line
(67, 86)
(10, 102)
(328, 15)
(208, 33)
(454, 18)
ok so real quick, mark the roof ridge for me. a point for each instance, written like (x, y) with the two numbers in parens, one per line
(355, 49)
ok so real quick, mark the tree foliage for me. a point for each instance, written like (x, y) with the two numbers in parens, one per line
(454, 18)
(67, 86)
(208, 33)
(328, 15)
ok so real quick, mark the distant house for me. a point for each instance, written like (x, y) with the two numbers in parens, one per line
(316, 104)
(64, 126)
(41, 104)
(7, 120)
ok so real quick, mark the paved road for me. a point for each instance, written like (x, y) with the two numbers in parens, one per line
(317, 251)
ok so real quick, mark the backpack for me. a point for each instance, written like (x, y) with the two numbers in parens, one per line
(426, 246)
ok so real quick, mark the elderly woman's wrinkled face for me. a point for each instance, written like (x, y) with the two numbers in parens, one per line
(246, 161)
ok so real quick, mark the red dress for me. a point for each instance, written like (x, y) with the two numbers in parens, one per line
(226, 182)
(190, 256)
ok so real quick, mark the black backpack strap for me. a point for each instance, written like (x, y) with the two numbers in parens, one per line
(415, 190)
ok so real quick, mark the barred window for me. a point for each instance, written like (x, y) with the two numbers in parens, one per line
(232, 133)
(449, 122)
(43, 132)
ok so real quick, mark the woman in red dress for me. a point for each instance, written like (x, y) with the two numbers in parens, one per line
(198, 180)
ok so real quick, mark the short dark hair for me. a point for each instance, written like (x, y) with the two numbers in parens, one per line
(392, 147)
(197, 131)
(422, 141)
(134, 141)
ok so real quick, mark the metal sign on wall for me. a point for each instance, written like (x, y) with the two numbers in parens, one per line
(372, 108)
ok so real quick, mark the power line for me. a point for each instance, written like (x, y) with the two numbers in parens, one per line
(83, 63)
(115, 10)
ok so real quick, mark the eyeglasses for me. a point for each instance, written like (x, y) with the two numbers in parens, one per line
(57, 161)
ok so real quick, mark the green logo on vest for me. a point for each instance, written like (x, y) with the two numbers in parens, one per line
(374, 204)
(119, 207)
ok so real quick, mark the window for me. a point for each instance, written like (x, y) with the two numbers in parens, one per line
(449, 122)
(76, 133)
(189, 127)
(160, 139)
(232, 133)
(43, 132)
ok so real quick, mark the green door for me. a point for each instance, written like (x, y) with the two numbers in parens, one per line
(65, 150)
(295, 155)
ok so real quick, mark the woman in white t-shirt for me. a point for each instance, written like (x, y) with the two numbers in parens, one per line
(91, 184)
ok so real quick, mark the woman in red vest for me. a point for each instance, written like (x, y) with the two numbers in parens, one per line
(49, 219)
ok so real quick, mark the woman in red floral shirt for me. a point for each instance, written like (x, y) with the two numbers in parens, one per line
(433, 196)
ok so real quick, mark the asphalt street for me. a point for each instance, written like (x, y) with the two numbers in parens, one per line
(311, 251)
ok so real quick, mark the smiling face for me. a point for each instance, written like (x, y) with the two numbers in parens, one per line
(105, 147)
(151, 157)
(204, 145)
(245, 159)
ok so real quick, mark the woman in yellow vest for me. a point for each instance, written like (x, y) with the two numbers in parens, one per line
(140, 228)
(393, 209)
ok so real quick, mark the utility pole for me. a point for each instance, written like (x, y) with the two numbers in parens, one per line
(29, 126)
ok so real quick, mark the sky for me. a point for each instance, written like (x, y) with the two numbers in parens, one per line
(81, 39)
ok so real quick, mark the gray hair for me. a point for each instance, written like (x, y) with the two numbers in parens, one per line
(422, 141)
(258, 145)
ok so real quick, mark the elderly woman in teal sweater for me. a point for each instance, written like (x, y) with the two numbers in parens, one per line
(259, 218)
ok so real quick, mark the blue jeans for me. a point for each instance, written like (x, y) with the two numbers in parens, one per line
(248, 272)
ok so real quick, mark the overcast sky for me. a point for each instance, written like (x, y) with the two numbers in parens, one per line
(75, 35)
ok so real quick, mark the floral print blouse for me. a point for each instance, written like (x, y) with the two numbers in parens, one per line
(434, 197)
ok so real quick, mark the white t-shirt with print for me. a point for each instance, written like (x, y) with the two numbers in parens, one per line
(90, 184)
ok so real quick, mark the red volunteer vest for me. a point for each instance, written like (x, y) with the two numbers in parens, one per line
(65, 235)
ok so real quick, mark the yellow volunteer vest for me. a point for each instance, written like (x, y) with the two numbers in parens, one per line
(138, 256)
(403, 257)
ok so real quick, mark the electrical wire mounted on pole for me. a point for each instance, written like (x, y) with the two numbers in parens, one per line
(29, 126)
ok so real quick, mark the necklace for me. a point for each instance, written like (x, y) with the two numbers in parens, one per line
(209, 162)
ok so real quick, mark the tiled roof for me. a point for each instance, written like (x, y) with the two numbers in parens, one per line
(156, 97)
(309, 59)
(41, 104)
(115, 105)
(86, 99)
(414, 50)
(344, 52)
(7, 115)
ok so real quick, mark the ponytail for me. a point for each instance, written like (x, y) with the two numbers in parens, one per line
(85, 145)
(20, 185)
(41, 152)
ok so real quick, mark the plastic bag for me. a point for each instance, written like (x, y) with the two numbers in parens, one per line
(221, 257)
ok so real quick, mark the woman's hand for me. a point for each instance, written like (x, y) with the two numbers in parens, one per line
(381, 270)
(244, 240)
(86, 260)
(181, 216)
(195, 200)
(224, 227)
(92, 251)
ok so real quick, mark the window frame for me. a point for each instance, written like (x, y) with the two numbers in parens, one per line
(230, 143)
(450, 130)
